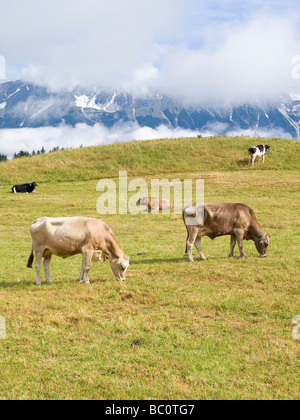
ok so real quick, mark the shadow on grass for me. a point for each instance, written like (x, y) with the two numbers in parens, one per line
(158, 261)
(17, 284)
(185, 259)
(175, 260)
(243, 163)
(26, 284)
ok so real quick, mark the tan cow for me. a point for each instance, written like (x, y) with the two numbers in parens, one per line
(67, 236)
(219, 219)
(154, 204)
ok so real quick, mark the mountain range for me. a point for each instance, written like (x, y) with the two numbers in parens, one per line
(27, 105)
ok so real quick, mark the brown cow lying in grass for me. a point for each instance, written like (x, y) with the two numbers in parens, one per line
(154, 204)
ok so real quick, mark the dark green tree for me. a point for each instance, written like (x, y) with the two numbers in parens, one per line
(3, 158)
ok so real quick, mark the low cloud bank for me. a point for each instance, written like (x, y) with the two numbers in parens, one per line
(29, 139)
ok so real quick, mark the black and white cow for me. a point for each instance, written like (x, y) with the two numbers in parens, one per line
(24, 188)
(258, 151)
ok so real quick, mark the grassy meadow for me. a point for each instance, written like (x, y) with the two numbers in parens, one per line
(215, 329)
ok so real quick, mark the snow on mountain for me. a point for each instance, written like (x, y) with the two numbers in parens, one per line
(27, 105)
(83, 101)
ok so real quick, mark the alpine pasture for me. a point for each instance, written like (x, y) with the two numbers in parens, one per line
(215, 329)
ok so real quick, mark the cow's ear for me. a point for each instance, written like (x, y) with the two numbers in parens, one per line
(266, 240)
(124, 263)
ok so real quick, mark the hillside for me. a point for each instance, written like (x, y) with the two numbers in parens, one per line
(142, 158)
(174, 330)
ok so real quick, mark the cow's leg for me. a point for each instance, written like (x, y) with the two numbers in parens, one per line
(253, 160)
(249, 159)
(86, 265)
(240, 240)
(47, 261)
(38, 264)
(232, 245)
(263, 158)
(199, 249)
(192, 236)
(82, 272)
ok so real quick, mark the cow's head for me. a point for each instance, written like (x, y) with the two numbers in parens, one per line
(119, 267)
(262, 245)
(34, 184)
(268, 149)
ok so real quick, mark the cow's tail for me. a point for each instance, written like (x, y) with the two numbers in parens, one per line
(186, 251)
(30, 259)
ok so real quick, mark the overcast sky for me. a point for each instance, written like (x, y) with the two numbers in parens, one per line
(197, 49)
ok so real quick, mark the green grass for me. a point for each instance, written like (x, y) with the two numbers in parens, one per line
(150, 158)
(216, 329)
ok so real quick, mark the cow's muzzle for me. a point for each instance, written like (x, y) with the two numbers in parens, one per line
(263, 255)
(120, 278)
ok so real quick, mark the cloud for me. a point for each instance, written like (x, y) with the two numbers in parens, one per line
(63, 43)
(29, 139)
(219, 129)
(219, 50)
(253, 62)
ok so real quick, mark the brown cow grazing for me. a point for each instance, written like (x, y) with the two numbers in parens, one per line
(67, 236)
(154, 204)
(219, 219)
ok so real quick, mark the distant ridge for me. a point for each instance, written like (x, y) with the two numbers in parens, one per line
(26, 105)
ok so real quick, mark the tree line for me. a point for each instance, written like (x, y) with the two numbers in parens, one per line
(24, 153)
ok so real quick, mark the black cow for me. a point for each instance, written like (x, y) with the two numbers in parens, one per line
(24, 188)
